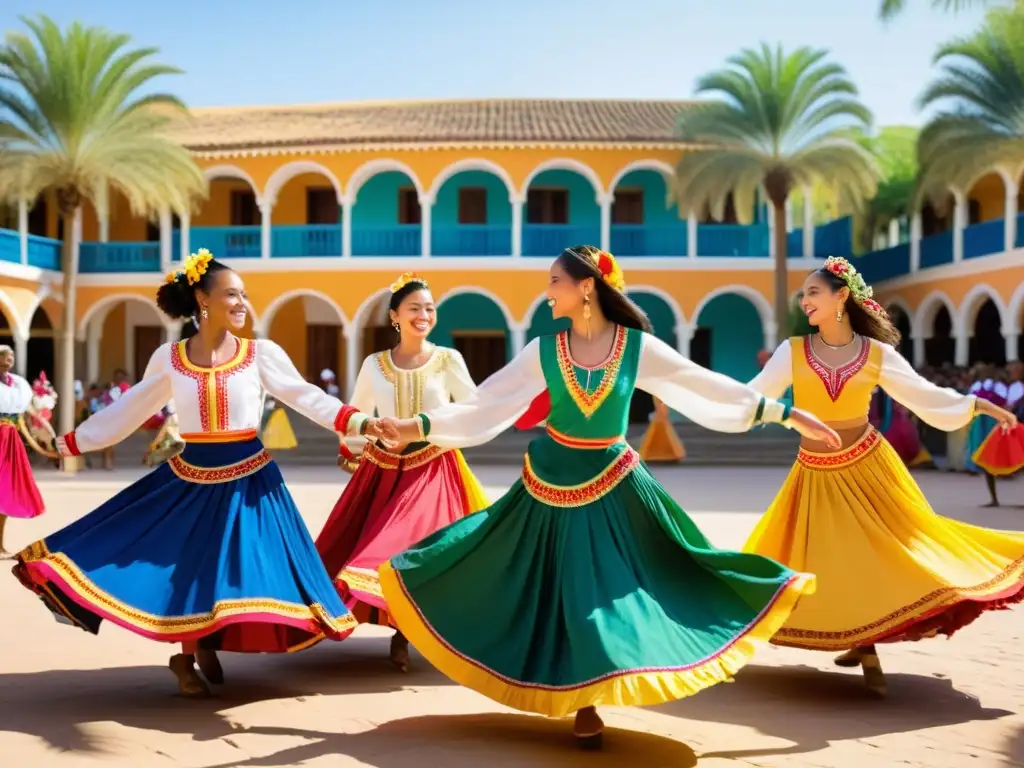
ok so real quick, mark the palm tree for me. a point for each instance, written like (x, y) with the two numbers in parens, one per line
(784, 121)
(895, 147)
(78, 118)
(979, 95)
(890, 9)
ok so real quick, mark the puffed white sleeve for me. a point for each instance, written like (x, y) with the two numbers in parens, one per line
(711, 399)
(942, 407)
(498, 402)
(282, 380)
(363, 401)
(460, 383)
(777, 375)
(122, 417)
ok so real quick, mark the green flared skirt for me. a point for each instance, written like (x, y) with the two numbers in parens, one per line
(557, 598)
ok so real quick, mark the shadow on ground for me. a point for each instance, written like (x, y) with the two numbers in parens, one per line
(55, 704)
(812, 708)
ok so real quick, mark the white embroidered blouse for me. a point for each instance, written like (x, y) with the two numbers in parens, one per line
(711, 399)
(15, 396)
(391, 391)
(224, 399)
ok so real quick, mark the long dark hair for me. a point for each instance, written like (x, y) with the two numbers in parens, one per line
(177, 299)
(579, 263)
(877, 326)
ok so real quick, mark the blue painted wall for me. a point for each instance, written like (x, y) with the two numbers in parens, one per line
(446, 207)
(583, 207)
(660, 314)
(542, 324)
(657, 212)
(377, 201)
(468, 312)
(736, 335)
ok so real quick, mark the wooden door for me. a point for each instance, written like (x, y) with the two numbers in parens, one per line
(485, 352)
(148, 339)
(378, 338)
(322, 348)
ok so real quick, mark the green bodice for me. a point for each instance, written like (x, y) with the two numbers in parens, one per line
(595, 411)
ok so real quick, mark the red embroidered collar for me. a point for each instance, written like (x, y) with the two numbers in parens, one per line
(835, 379)
(7, 379)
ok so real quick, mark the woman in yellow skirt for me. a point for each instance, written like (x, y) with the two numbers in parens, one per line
(889, 569)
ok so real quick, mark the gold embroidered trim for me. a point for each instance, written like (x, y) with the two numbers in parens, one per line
(212, 475)
(589, 402)
(830, 461)
(386, 460)
(584, 493)
(408, 384)
(362, 580)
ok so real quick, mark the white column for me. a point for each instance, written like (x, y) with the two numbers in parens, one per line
(771, 335)
(961, 352)
(346, 226)
(186, 231)
(605, 201)
(266, 210)
(808, 224)
(684, 335)
(894, 233)
(915, 242)
(128, 361)
(789, 215)
(1010, 217)
(20, 354)
(94, 335)
(518, 336)
(959, 224)
(1012, 340)
(351, 359)
(104, 222)
(918, 356)
(23, 229)
(691, 234)
(771, 230)
(517, 225)
(426, 238)
(166, 240)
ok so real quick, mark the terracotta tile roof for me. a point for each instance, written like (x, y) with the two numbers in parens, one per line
(485, 121)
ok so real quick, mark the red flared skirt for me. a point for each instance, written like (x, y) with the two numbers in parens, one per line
(1002, 452)
(391, 503)
(19, 494)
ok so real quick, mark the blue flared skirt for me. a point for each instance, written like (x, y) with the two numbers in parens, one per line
(976, 434)
(208, 547)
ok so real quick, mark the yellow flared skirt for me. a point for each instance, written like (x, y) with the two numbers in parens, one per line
(888, 567)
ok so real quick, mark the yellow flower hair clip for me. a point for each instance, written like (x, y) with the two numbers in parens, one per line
(609, 268)
(404, 279)
(194, 268)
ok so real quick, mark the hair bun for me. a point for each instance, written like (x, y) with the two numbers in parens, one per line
(176, 299)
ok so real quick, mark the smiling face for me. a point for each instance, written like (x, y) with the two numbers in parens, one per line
(225, 302)
(565, 294)
(6, 362)
(416, 315)
(820, 301)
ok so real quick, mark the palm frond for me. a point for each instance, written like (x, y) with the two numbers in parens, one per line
(890, 9)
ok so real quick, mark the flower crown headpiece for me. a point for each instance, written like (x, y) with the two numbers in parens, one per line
(859, 290)
(606, 265)
(193, 269)
(405, 278)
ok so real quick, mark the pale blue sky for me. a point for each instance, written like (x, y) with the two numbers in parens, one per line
(307, 51)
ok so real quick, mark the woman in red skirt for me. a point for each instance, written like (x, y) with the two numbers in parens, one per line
(19, 495)
(398, 495)
(1001, 454)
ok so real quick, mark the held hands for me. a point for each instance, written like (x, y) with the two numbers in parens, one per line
(382, 429)
(402, 431)
(812, 428)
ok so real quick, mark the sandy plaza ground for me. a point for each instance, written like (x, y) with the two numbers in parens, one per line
(70, 699)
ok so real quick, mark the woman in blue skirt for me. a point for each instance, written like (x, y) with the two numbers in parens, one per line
(209, 549)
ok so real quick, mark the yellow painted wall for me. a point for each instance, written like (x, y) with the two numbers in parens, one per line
(990, 192)
(1003, 281)
(112, 351)
(289, 330)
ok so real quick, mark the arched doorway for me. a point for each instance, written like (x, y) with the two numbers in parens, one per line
(41, 350)
(472, 213)
(664, 320)
(121, 333)
(311, 330)
(986, 337)
(940, 348)
(728, 336)
(477, 327)
(561, 210)
(901, 320)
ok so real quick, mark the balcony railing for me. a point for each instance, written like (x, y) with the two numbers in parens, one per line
(43, 252)
(795, 244)
(937, 250)
(984, 239)
(397, 240)
(734, 240)
(304, 240)
(471, 240)
(646, 240)
(227, 242)
(885, 264)
(119, 257)
(10, 246)
(834, 238)
(549, 240)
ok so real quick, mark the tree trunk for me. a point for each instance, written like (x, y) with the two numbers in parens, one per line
(66, 367)
(781, 238)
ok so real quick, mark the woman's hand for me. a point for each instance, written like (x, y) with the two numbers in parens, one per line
(1007, 419)
(402, 431)
(381, 429)
(811, 427)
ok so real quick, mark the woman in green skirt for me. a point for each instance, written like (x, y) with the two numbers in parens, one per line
(586, 584)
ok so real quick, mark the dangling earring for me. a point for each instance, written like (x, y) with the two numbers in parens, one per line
(397, 327)
(839, 315)
(586, 313)
(205, 314)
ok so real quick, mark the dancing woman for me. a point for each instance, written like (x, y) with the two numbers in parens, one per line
(889, 569)
(399, 494)
(208, 549)
(586, 584)
(1001, 452)
(19, 495)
